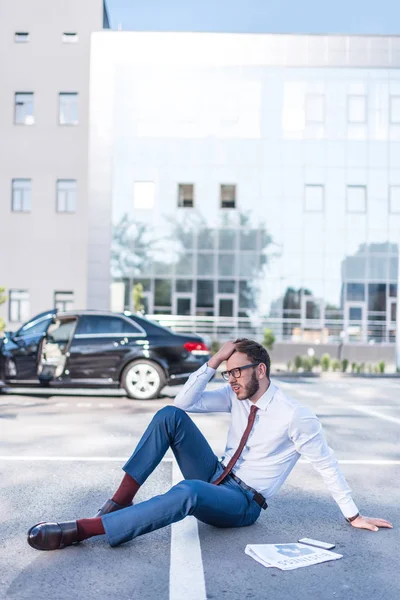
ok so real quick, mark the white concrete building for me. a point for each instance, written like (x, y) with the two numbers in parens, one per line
(44, 99)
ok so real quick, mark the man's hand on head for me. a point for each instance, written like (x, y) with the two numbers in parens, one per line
(223, 354)
(369, 523)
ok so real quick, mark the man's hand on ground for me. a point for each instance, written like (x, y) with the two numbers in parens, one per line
(223, 354)
(369, 523)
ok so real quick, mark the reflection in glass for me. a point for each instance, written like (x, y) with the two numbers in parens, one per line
(227, 265)
(354, 267)
(227, 239)
(377, 267)
(205, 264)
(205, 293)
(355, 291)
(184, 285)
(162, 292)
(184, 266)
(226, 286)
(249, 239)
(206, 239)
(146, 283)
(249, 264)
(377, 297)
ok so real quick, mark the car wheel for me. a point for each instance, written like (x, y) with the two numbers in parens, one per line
(143, 380)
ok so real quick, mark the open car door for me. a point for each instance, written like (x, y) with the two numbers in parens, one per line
(21, 348)
(54, 349)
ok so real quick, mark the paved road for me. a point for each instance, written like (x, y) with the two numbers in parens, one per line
(60, 456)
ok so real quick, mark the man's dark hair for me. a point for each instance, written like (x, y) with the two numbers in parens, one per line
(254, 352)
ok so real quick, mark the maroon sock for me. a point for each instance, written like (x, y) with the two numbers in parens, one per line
(126, 491)
(87, 528)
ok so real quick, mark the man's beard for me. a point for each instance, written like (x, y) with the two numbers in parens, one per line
(252, 387)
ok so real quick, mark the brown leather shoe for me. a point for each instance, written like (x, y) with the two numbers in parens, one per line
(53, 536)
(110, 506)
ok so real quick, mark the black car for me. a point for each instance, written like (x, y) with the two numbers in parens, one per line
(99, 349)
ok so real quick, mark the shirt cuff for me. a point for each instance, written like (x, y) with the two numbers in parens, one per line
(349, 509)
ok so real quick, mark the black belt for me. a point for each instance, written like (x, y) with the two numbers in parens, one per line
(259, 498)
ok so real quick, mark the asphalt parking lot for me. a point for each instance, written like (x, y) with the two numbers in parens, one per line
(61, 456)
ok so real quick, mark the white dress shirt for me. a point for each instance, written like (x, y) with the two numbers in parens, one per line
(283, 430)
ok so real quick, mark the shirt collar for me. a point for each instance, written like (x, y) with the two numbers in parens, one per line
(262, 403)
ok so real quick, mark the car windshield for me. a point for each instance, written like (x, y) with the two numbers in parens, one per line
(36, 326)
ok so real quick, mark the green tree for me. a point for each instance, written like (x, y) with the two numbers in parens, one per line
(269, 339)
(137, 297)
(298, 362)
(335, 364)
(325, 362)
(3, 300)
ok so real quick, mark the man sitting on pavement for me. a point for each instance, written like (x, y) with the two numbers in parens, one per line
(269, 431)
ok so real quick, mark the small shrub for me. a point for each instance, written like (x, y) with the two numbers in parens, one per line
(381, 366)
(269, 339)
(335, 365)
(307, 363)
(362, 367)
(289, 365)
(315, 361)
(345, 364)
(298, 362)
(354, 367)
(325, 362)
(358, 368)
(215, 346)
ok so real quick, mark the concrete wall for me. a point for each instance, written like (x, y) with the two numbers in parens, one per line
(44, 251)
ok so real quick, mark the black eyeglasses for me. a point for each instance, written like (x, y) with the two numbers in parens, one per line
(237, 371)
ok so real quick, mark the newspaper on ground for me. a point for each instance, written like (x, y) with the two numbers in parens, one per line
(289, 556)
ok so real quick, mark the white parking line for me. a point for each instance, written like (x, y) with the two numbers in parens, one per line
(374, 413)
(345, 461)
(73, 458)
(361, 461)
(307, 393)
(186, 576)
(83, 404)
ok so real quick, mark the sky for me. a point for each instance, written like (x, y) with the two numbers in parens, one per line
(257, 16)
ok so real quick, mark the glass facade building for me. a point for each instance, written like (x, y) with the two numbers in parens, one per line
(249, 177)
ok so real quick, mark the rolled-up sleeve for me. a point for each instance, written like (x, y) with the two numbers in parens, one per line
(308, 437)
(193, 397)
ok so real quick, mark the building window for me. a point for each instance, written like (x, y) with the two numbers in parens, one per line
(70, 38)
(228, 196)
(315, 108)
(66, 195)
(68, 114)
(356, 198)
(64, 301)
(23, 113)
(18, 306)
(143, 195)
(394, 109)
(314, 198)
(21, 37)
(186, 195)
(21, 195)
(394, 199)
(356, 109)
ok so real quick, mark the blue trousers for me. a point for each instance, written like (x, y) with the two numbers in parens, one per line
(225, 505)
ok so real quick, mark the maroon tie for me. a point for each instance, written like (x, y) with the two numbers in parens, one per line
(238, 452)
